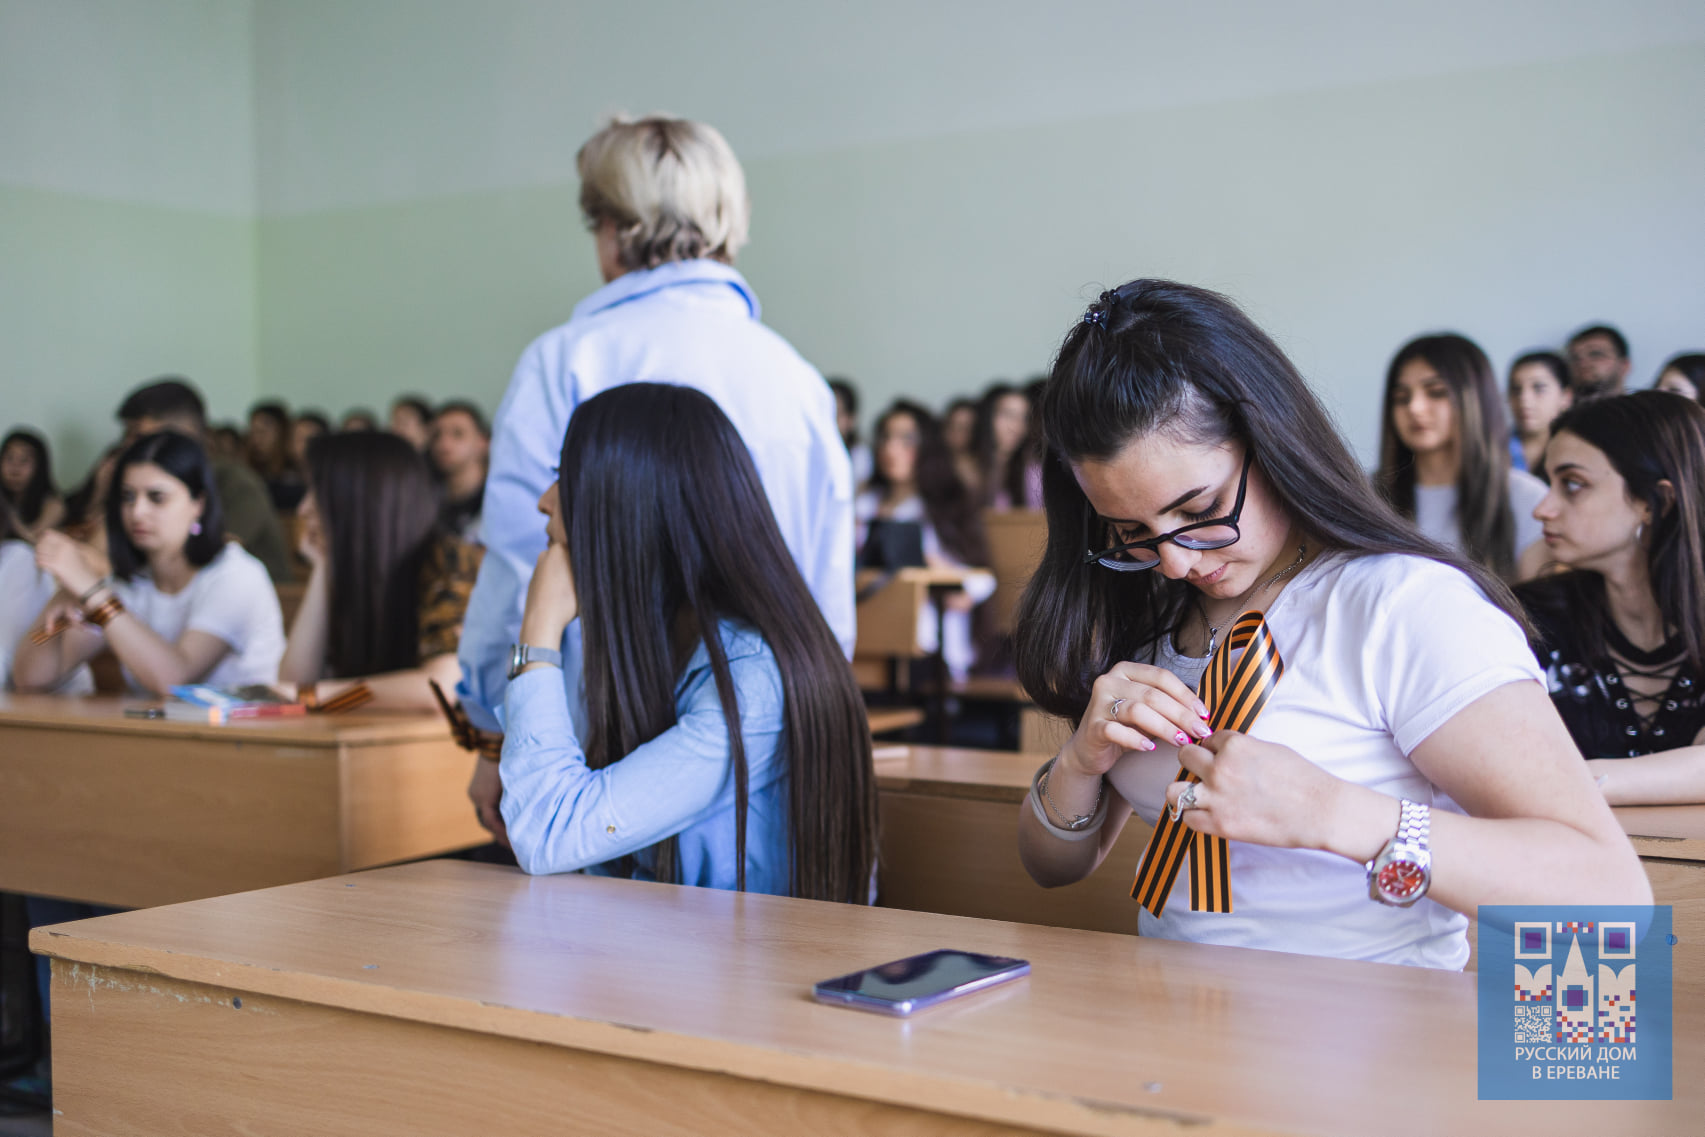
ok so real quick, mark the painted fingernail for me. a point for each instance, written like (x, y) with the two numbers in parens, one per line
(1147, 745)
(1202, 710)
(1206, 730)
(1181, 738)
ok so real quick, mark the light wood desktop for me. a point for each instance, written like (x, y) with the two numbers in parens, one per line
(111, 810)
(950, 818)
(451, 998)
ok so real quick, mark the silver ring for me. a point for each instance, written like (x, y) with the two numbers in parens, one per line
(1186, 801)
(1114, 713)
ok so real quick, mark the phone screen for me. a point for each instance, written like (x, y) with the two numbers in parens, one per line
(919, 981)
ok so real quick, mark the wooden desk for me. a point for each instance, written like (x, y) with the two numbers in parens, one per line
(949, 844)
(128, 812)
(452, 998)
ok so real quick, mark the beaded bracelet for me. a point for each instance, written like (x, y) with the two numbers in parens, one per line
(104, 615)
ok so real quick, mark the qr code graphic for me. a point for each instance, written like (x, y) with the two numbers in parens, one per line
(1533, 1024)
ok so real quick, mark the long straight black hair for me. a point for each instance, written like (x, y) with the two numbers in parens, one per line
(30, 502)
(1152, 356)
(948, 502)
(379, 512)
(1483, 514)
(668, 526)
(1650, 437)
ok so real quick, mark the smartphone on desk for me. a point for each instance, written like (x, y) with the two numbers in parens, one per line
(919, 981)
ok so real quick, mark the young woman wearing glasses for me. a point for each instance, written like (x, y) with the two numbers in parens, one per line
(1377, 752)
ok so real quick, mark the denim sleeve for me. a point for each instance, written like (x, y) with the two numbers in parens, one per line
(563, 816)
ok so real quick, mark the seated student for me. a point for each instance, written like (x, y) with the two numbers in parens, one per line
(172, 404)
(270, 454)
(846, 421)
(304, 428)
(26, 482)
(358, 419)
(1208, 508)
(710, 733)
(1444, 457)
(958, 431)
(913, 480)
(411, 420)
(1598, 361)
(1684, 375)
(1000, 437)
(460, 454)
(182, 605)
(1622, 635)
(386, 590)
(1539, 391)
(24, 592)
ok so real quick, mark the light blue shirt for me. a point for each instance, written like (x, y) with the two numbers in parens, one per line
(694, 323)
(563, 816)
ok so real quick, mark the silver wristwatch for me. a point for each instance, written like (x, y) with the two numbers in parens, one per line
(522, 654)
(1403, 871)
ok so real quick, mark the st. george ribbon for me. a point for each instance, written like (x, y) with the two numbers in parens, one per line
(1235, 697)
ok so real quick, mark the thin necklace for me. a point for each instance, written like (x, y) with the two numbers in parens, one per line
(1214, 629)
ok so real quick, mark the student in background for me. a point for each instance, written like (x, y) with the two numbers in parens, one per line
(172, 404)
(460, 454)
(26, 482)
(959, 431)
(387, 588)
(914, 481)
(846, 421)
(411, 420)
(666, 202)
(182, 605)
(1622, 635)
(359, 419)
(226, 444)
(1683, 375)
(24, 592)
(1215, 498)
(1539, 391)
(710, 733)
(307, 426)
(271, 456)
(1003, 427)
(1444, 455)
(1598, 360)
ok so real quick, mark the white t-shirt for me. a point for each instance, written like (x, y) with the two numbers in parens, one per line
(24, 592)
(231, 597)
(1379, 652)
(1435, 511)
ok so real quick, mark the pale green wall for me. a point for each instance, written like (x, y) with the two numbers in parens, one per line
(1512, 204)
(96, 296)
(127, 201)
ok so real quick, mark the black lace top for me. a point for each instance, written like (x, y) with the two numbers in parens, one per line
(1607, 719)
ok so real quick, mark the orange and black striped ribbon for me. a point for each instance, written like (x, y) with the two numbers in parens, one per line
(1235, 696)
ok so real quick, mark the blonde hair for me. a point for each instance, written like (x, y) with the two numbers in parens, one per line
(672, 187)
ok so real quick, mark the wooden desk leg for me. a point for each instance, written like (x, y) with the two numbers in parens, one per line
(137, 1054)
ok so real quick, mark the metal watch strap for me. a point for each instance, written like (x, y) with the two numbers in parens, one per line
(523, 654)
(1413, 826)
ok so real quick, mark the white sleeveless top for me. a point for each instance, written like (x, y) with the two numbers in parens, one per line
(1379, 652)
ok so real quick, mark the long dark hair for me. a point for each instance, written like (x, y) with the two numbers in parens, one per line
(1484, 519)
(948, 503)
(667, 520)
(273, 464)
(1691, 364)
(379, 511)
(184, 459)
(1001, 473)
(28, 504)
(1650, 437)
(1156, 355)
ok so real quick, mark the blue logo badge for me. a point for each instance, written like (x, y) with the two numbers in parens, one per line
(1561, 1015)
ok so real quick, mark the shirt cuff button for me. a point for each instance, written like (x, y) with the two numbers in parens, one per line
(610, 829)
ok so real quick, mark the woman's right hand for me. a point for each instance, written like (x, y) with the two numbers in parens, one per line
(61, 612)
(1152, 703)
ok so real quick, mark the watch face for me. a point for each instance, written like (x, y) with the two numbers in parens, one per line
(1402, 880)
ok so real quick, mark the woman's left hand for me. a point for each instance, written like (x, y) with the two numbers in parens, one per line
(1255, 791)
(73, 564)
(551, 601)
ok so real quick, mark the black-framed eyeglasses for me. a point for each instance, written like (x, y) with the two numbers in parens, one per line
(1135, 556)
